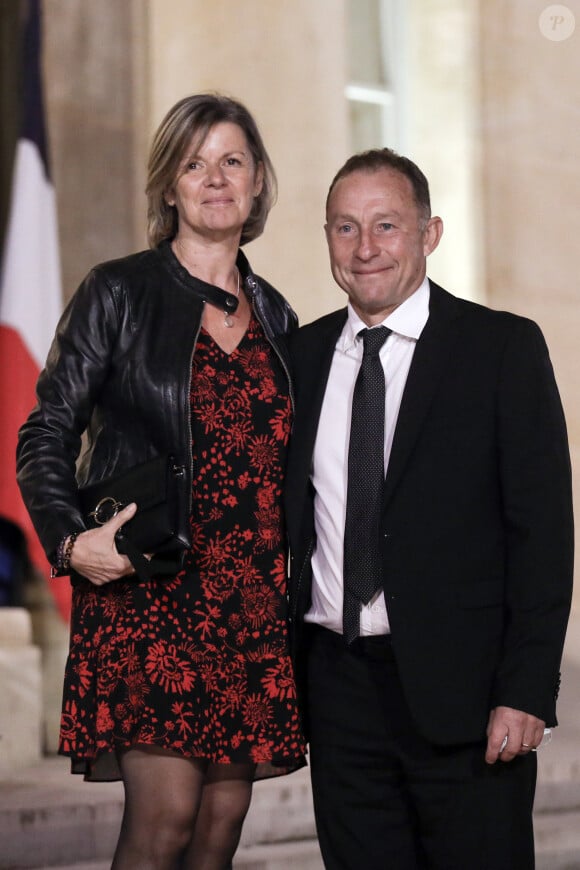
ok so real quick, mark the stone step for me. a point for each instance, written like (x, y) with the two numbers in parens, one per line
(557, 848)
(277, 856)
(557, 805)
(47, 815)
(50, 820)
(84, 865)
(557, 841)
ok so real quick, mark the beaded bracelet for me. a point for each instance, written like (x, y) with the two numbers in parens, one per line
(61, 566)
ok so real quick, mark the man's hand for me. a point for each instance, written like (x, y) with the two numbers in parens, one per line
(95, 554)
(523, 731)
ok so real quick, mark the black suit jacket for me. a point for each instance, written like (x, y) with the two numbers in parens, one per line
(476, 528)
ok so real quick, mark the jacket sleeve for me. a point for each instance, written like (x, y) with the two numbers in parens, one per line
(67, 391)
(536, 490)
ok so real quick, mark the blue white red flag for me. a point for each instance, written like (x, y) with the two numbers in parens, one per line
(30, 288)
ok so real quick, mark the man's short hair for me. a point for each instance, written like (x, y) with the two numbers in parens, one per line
(386, 158)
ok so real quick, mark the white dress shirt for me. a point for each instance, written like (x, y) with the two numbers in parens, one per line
(329, 472)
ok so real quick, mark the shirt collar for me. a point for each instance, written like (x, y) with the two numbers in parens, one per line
(407, 320)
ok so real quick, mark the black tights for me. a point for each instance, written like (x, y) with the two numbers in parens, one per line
(180, 814)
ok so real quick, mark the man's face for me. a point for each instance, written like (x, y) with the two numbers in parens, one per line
(378, 241)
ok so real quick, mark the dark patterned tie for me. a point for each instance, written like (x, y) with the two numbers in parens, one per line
(366, 474)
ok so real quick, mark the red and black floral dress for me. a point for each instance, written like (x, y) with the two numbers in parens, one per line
(199, 664)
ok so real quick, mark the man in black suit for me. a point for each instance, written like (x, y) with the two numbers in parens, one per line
(423, 718)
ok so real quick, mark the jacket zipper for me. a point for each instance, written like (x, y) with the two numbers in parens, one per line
(188, 415)
(251, 281)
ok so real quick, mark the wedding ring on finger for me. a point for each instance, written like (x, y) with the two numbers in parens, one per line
(546, 738)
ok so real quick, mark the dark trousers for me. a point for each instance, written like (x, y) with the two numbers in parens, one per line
(386, 799)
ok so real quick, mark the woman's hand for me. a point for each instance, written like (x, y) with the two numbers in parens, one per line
(95, 554)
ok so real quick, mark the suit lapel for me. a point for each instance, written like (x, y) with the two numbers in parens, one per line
(312, 371)
(429, 361)
(311, 361)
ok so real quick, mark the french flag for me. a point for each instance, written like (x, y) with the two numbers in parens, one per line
(30, 289)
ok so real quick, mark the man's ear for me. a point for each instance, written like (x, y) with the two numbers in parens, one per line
(432, 234)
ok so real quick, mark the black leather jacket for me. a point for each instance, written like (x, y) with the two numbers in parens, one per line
(119, 371)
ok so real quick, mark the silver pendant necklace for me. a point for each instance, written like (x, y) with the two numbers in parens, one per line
(215, 295)
(227, 313)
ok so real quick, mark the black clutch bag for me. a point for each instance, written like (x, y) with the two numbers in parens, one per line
(154, 487)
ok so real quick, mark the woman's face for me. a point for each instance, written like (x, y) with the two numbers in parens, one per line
(216, 185)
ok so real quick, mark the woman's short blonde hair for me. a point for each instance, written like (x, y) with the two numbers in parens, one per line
(191, 119)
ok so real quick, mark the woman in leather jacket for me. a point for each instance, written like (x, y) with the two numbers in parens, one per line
(180, 686)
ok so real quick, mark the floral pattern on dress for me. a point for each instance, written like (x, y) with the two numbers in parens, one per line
(199, 664)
